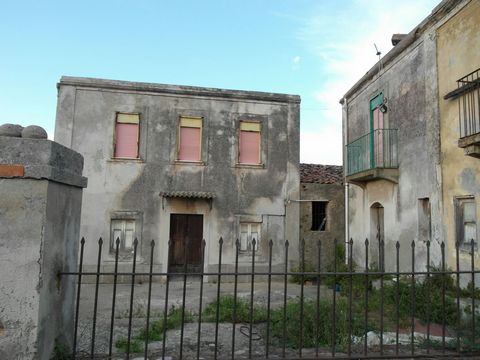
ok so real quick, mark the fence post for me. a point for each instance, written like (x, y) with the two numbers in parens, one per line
(41, 194)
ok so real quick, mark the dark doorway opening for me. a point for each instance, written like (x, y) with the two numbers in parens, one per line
(186, 233)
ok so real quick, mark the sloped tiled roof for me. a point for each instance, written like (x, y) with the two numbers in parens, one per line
(321, 174)
(188, 194)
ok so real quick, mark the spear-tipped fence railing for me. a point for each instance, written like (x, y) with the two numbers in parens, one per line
(370, 312)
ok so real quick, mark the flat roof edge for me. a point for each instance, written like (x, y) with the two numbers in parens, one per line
(176, 89)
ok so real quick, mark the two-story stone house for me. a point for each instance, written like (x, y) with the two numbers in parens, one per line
(174, 163)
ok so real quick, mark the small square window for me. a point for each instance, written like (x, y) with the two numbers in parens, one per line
(249, 143)
(319, 215)
(124, 230)
(126, 136)
(248, 233)
(190, 139)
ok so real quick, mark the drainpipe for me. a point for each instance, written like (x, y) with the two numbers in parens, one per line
(345, 139)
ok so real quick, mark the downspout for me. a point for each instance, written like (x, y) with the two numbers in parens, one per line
(345, 164)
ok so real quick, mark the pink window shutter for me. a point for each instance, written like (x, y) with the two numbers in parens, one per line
(126, 145)
(249, 147)
(189, 148)
(378, 136)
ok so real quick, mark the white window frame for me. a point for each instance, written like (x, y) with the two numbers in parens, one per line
(246, 240)
(461, 223)
(126, 242)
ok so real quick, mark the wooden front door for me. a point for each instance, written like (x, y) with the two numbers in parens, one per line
(183, 227)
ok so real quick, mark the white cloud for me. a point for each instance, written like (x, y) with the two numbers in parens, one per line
(296, 63)
(324, 144)
(344, 48)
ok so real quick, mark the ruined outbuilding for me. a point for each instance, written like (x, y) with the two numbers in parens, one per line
(322, 214)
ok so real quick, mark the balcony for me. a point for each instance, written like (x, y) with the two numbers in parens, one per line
(468, 94)
(373, 156)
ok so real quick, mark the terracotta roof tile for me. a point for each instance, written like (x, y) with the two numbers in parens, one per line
(321, 174)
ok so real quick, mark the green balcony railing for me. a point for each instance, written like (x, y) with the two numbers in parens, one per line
(377, 149)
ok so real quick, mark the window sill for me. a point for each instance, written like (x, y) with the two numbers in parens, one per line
(122, 160)
(250, 166)
(189, 162)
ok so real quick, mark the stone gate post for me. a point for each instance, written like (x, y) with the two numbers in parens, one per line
(40, 201)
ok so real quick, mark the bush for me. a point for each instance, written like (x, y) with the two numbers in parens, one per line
(225, 312)
(428, 302)
(325, 326)
(135, 345)
(297, 277)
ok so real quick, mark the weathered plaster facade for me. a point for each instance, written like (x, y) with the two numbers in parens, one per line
(403, 200)
(458, 52)
(324, 185)
(241, 193)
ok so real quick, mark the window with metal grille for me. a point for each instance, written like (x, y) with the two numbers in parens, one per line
(249, 143)
(190, 139)
(126, 138)
(319, 215)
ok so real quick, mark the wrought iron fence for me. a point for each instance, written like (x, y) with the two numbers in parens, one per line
(339, 310)
(377, 149)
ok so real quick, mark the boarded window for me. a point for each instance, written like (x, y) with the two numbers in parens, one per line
(424, 219)
(248, 233)
(190, 139)
(319, 215)
(466, 223)
(124, 230)
(249, 143)
(126, 135)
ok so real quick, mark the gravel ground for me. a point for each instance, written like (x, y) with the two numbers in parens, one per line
(175, 298)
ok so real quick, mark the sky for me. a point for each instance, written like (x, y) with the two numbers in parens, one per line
(316, 49)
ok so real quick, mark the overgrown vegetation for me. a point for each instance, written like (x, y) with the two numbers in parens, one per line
(226, 313)
(156, 330)
(325, 325)
(61, 352)
(422, 301)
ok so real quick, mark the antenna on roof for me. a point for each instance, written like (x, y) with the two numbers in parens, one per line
(379, 54)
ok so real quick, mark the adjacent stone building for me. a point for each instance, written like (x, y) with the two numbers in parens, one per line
(322, 213)
(407, 176)
(169, 162)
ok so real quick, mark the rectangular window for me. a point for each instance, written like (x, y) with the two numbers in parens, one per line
(249, 143)
(319, 215)
(249, 232)
(126, 136)
(190, 139)
(466, 223)
(424, 219)
(124, 230)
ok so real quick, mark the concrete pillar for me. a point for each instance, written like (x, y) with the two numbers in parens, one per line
(40, 201)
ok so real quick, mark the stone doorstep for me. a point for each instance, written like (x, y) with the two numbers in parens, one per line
(12, 170)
